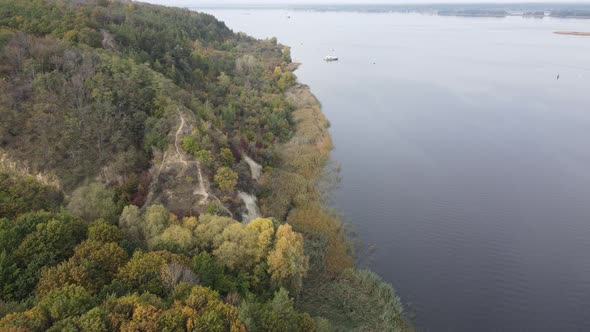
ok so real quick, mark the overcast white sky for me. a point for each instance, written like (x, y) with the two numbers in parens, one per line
(188, 3)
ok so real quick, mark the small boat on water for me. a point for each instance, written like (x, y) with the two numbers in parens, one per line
(331, 58)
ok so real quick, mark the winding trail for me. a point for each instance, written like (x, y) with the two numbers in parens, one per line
(176, 140)
(200, 190)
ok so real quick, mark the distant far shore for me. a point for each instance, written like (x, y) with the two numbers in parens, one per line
(573, 33)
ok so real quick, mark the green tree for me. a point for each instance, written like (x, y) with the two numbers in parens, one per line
(102, 260)
(11, 234)
(23, 194)
(356, 300)
(278, 314)
(143, 273)
(190, 144)
(287, 80)
(204, 156)
(131, 223)
(55, 239)
(226, 179)
(156, 218)
(102, 231)
(92, 202)
(94, 320)
(9, 273)
(226, 157)
(224, 80)
(68, 301)
(209, 271)
(51, 242)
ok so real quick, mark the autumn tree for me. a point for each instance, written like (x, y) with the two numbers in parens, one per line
(214, 315)
(226, 157)
(226, 179)
(93, 265)
(34, 319)
(265, 230)
(180, 233)
(239, 248)
(287, 263)
(210, 229)
(65, 273)
(143, 273)
(134, 312)
(325, 239)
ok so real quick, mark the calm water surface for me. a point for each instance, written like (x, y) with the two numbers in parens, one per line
(464, 160)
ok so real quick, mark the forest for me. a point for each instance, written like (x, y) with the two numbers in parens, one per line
(113, 112)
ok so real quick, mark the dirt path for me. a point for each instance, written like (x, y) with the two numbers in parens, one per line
(176, 162)
(180, 156)
(251, 207)
(200, 189)
(255, 168)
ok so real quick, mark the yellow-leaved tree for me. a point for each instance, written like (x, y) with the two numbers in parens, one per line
(265, 230)
(287, 262)
(239, 249)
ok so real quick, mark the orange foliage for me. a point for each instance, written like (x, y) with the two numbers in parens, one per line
(314, 221)
(145, 318)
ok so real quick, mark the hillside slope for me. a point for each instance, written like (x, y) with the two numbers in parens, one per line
(140, 131)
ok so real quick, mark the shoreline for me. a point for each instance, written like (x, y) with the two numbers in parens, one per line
(572, 33)
(306, 156)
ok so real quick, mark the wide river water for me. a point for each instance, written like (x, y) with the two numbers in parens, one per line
(465, 161)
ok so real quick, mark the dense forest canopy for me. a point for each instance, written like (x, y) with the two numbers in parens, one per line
(128, 133)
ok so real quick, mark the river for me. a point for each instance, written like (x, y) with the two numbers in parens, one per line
(465, 161)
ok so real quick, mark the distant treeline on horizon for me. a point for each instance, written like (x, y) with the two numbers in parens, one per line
(574, 10)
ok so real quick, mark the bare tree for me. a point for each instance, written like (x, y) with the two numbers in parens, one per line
(175, 273)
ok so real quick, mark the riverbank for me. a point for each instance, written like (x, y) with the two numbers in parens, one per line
(292, 192)
(572, 33)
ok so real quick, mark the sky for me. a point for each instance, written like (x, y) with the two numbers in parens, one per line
(188, 3)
